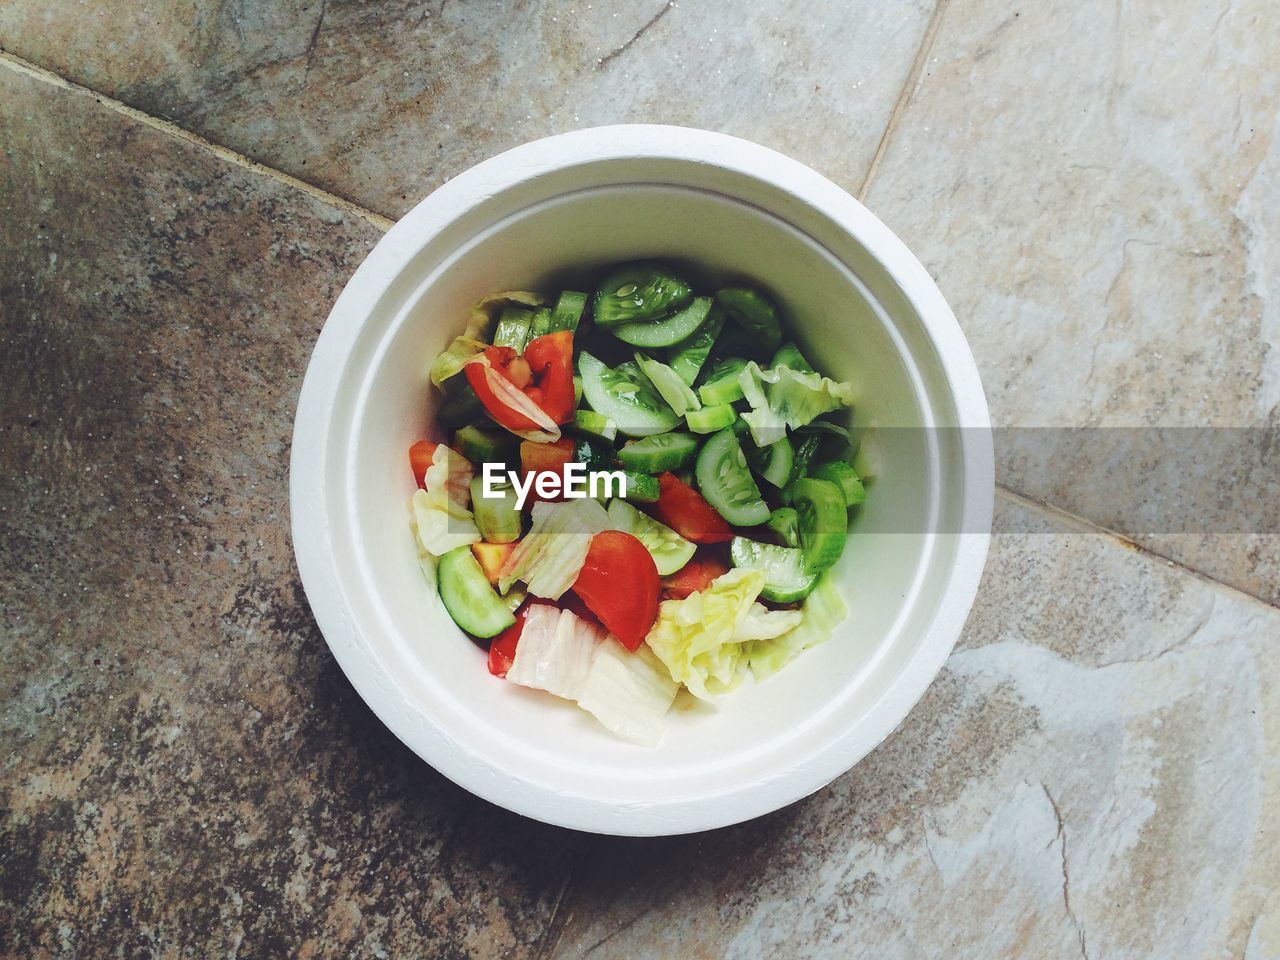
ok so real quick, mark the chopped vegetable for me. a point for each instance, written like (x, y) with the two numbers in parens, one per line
(638, 291)
(629, 692)
(441, 518)
(726, 482)
(625, 397)
(498, 518)
(469, 597)
(502, 648)
(420, 455)
(782, 397)
(555, 651)
(761, 623)
(473, 339)
(785, 578)
(494, 380)
(844, 477)
(670, 387)
(669, 550)
(721, 384)
(619, 584)
(662, 451)
(823, 522)
(668, 331)
(711, 419)
(590, 423)
(491, 557)
(822, 611)
(756, 315)
(688, 357)
(681, 508)
(695, 637)
(697, 574)
(786, 524)
(552, 552)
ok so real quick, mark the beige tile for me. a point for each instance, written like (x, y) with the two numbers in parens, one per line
(382, 102)
(1095, 188)
(185, 771)
(1093, 774)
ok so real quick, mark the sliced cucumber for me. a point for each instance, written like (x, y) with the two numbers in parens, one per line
(541, 322)
(626, 399)
(592, 424)
(677, 327)
(638, 291)
(461, 405)
(474, 605)
(785, 578)
(641, 487)
(754, 313)
(680, 398)
(785, 522)
(805, 451)
(481, 445)
(789, 355)
(595, 453)
(568, 311)
(577, 389)
(711, 419)
(823, 522)
(497, 518)
(843, 476)
(777, 467)
(721, 385)
(669, 550)
(513, 328)
(687, 358)
(725, 481)
(660, 452)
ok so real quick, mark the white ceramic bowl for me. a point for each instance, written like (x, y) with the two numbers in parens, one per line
(863, 309)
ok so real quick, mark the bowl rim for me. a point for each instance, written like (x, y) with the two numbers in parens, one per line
(313, 545)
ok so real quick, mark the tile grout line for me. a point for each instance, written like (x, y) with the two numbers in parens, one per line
(914, 78)
(1086, 525)
(377, 220)
(167, 127)
(546, 946)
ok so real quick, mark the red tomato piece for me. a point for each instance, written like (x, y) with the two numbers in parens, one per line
(696, 575)
(619, 584)
(545, 457)
(478, 376)
(502, 648)
(420, 455)
(550, 357)
(574, 604)
(682, 509)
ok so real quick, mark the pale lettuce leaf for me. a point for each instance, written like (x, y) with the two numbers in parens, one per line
(678, 394)
(630, 693)
(822, 612)
(783, 397)
(551, 554)
(555, 651)
(761, 623)
(695, 637)
(479, 332)
(441, 517)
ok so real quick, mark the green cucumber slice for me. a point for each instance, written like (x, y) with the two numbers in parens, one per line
(497, 518)
(725, 481)
(461, 405)
(789, 355)
(785, 578)
(721, 385)
(641, 487)
(513, 328)
(677, 327)
(823, 522)
(568, 311)
(659, 453)
(680, 398)
(541, 322)
(687, 358)
(785, 522)
(644, 290)
(669, 550)
(481, 445)
(626, 399)
(753, 313)
(711, 419)
(594, 453)
(805, 451)
(474, 605)
(777, 468)
(592, 424)
(843, 476)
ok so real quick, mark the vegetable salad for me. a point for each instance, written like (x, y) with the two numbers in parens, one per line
(703, 554)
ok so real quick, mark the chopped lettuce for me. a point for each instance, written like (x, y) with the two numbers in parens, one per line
(783, 397)
(696, 638)
(678, 394)
(551, 554)
(441, 518)
(823, 610)
(761, 623)
(630, 693)
(555, 651)
(478, 332)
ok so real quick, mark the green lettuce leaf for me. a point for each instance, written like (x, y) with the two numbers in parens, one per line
(823, 610)
(696, 638)
(678, 394)
(783, 397)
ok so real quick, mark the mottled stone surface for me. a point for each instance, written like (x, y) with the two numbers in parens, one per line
(1092, 775)
(185, 770)
(380, 102)
(1095, 187)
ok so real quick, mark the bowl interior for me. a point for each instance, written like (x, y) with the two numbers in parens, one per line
(758, 732)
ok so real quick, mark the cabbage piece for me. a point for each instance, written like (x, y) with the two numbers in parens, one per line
(551, 554)
(478, 333)
(823, 610)
(695, 637)
(441, 518)
(678, 394)
(555, 651)
(761, 623)
(783, 397)
(630, 693)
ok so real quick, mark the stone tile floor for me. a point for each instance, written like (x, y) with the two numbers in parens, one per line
(185, 189)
